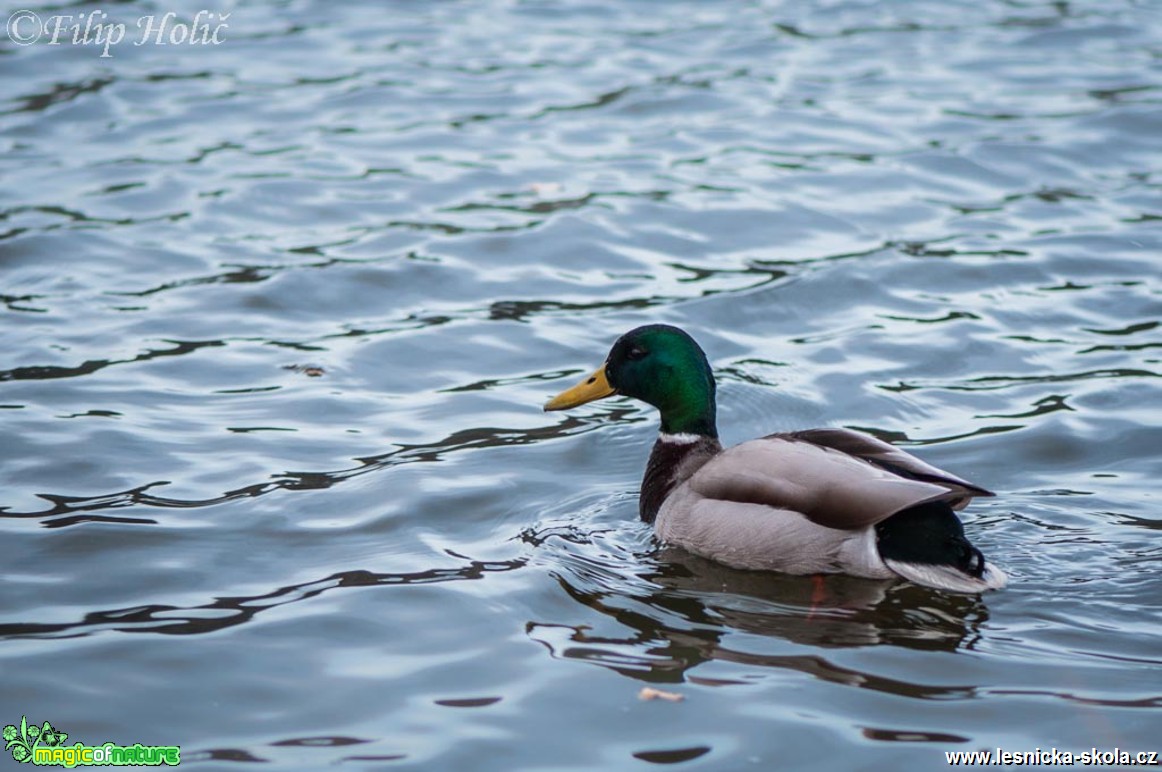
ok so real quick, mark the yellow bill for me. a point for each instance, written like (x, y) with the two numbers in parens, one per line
(596, 386)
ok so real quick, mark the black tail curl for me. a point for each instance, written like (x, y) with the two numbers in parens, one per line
(929, 534)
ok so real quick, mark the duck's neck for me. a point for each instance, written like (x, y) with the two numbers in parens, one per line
(674, 458)
(689, 410)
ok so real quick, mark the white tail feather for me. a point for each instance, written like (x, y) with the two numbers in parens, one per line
(945, 577)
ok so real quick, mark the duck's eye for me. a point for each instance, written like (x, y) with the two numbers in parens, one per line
(637, 352)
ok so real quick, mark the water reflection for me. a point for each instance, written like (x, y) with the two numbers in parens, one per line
(72, 510)
(687, 611)
(228, 612)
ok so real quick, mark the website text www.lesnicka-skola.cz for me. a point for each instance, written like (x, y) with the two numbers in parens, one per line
(1052, 757)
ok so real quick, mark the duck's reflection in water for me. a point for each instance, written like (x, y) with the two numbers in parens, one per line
(687, 611)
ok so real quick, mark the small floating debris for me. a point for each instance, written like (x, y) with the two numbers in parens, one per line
(313, 371)
(650, 693)
(545, 188)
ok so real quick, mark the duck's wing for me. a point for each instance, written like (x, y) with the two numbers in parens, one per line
(835, 478)
(889, 457)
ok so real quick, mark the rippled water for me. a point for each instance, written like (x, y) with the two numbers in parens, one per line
(280, 314)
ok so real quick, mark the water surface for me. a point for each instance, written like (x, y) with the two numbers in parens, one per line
(280, 313)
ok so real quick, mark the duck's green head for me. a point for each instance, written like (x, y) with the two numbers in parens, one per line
(660, 365)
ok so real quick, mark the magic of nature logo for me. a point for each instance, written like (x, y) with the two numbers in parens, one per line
(44, 745)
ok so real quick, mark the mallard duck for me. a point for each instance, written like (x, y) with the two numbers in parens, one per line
(806, 502)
